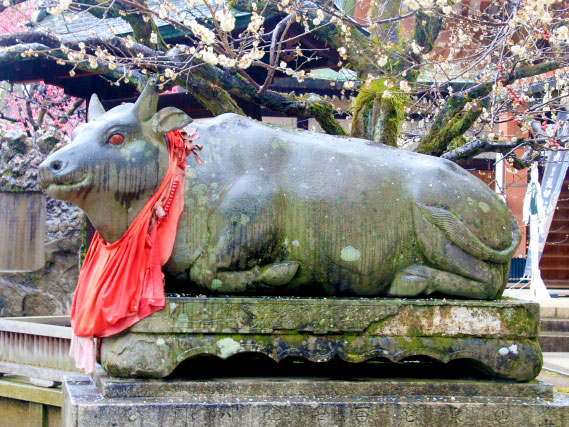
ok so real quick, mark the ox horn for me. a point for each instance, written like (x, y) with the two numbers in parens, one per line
(95, 109)
(147, 102)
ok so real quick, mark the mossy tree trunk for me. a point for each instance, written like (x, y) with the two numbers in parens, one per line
(380, 110)
(378, 114)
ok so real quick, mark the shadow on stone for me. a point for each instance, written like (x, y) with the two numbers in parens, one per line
(253, 365)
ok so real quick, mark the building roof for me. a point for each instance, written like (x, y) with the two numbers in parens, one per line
(73, 27)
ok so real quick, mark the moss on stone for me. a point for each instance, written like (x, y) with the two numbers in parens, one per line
(520, 321)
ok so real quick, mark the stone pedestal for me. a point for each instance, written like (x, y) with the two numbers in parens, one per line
(498, 336)
(290, 361)
(267, 402)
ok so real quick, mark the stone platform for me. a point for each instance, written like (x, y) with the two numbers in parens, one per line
(498, 336)
(286, 401)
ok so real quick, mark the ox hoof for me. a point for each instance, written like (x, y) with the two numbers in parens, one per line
(280, 274)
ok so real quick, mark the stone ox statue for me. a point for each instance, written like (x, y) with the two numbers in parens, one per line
(280, 211)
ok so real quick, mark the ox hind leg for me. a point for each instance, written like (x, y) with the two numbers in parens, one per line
(422, 280)
(455, 265)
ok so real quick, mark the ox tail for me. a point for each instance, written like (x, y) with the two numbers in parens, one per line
(457, 232)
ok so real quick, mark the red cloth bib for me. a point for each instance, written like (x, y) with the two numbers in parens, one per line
(122, 282)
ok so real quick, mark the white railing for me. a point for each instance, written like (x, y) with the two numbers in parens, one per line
(36, 347)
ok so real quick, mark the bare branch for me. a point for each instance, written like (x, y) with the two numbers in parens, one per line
(276, 46)
(76, 104)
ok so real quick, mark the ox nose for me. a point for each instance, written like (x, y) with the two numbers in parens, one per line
(49, 170)
(56, 166)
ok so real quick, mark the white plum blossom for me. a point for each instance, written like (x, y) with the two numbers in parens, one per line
(562, 33)
(245, 62)
(319, 17)
(382, 61)
(417, 4)
(416, 48)
(93, 61)
(404, 86)
(518, 50)
(226, 62)
(413, 4)
(256, 22)
(226, 20)
(62, 5)
(209, 56)
(204, 33)
(257, 53)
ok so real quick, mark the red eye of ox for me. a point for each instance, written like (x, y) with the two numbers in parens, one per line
(115, 139)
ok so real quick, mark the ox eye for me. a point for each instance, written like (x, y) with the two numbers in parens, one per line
(116, 139)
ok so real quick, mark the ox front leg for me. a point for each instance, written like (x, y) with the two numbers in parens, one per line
(267, 276)
(246, 243)
(206, 274)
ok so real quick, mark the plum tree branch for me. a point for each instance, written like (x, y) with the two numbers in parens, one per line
(205, 81)
(479, 146)
(440, 135)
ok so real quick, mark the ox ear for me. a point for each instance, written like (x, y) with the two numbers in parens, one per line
(146, 104)
(96, 109)
(169, 119)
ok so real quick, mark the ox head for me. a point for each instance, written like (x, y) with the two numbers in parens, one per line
(114, 162)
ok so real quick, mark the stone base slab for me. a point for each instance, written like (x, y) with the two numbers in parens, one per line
(316, 402)
(499, 336)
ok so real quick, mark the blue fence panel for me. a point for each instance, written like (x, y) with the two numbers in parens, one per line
(517, 268)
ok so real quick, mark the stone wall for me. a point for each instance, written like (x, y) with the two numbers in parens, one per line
(49, 289)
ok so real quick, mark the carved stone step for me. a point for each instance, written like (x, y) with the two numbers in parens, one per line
(558, 325)
(554, 341)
